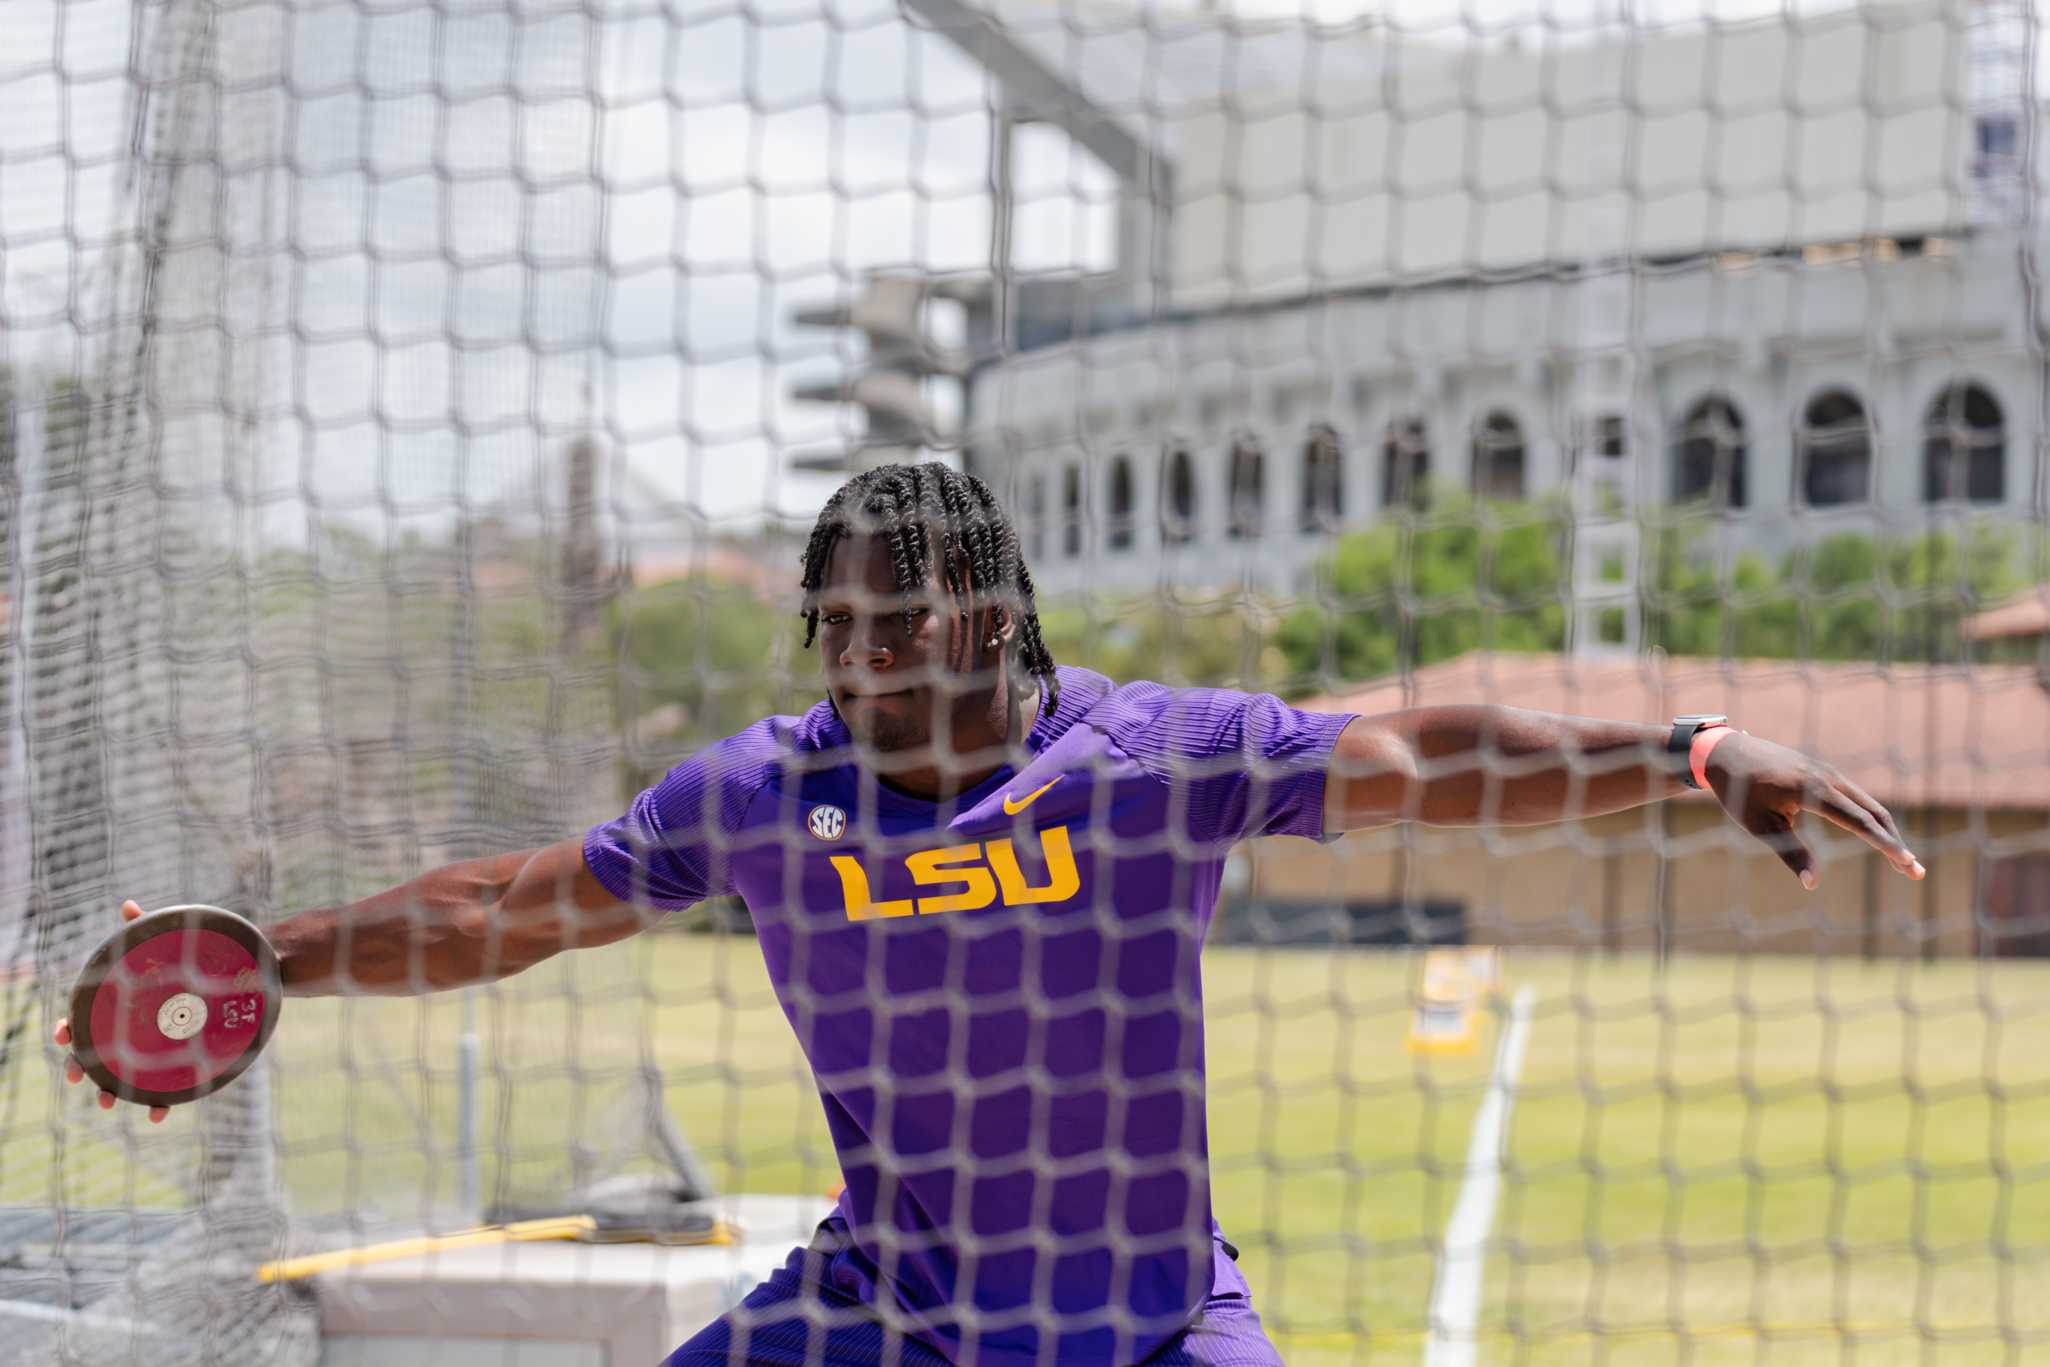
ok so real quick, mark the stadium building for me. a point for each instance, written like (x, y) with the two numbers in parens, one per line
(1778, 270)
(1773, 276)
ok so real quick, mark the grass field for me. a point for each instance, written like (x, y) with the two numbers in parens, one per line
(1774, 1159)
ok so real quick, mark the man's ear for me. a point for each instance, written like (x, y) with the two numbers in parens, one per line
(1003, 623)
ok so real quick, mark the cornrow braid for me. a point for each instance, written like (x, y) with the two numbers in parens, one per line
(920, 511)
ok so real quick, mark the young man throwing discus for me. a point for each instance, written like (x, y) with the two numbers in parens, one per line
(981, 883)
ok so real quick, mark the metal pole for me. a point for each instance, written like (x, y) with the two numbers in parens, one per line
(465, 755)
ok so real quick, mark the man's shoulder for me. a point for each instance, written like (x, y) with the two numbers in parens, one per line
(1106, 702)
(818, 727)
(752, 755)
(1140, 714)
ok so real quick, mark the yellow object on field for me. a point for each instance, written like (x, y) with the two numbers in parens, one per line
(1442, 1027)
(525, 1231)
(1445, 1019)
(1484, 963)
(566, 1227)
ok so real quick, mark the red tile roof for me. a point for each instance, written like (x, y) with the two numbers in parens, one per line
(768, 578)
(1914, 735)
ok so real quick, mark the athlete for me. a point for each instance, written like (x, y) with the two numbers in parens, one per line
(980, 883)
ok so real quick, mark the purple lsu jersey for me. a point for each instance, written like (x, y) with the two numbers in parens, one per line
(999, 993)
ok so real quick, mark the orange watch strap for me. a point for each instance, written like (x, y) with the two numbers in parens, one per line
(1705, 740)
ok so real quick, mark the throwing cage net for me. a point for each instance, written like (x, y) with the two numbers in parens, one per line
(410, 419)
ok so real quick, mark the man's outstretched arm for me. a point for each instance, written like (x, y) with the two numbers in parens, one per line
(475, 921)
(470, 922)
(1481, 765)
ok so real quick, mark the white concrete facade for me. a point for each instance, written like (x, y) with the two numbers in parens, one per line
(1453, 160)
(1767, 335)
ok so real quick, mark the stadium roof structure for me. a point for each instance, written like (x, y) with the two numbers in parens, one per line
(1140, 69)
(1973, 736)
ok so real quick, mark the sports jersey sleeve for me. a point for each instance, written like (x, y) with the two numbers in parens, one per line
(1243, 764)
(674, 846)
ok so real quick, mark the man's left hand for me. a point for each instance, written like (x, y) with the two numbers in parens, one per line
(1764, 786)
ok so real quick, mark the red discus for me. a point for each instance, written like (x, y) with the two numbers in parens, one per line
(175, 1005)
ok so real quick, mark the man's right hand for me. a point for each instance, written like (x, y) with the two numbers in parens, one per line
(72, 1072)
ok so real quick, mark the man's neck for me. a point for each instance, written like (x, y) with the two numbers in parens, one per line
(1024, 712)
(934, 783)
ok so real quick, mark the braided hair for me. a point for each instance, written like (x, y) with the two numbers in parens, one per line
(919, 511)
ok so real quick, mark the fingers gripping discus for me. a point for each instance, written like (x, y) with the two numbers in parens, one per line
(175, 1004)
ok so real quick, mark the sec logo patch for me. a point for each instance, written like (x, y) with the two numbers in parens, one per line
(827, 823)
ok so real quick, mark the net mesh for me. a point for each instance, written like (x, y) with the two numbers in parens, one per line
(411, 416)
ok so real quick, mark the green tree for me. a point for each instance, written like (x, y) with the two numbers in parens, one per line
(1471, 577)
(1495, 577)
(700, 659)
(1212, 643)
(1847, 597)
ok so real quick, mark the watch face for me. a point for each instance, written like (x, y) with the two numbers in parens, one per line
(1700, 719)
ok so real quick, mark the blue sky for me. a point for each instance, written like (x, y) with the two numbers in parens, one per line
(526, 217)
(519, 216)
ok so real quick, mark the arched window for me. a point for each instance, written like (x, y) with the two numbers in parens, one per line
(1964, 447)
(1120, 524)
(1323, 481)
(1177, 498)
(1600, 440)
(1834, 449)
(1406, 465)
(1071, 511)
(1498, 457)
(1710, 455)
(1247, 490)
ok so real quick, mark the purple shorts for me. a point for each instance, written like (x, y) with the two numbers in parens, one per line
(797, 1318)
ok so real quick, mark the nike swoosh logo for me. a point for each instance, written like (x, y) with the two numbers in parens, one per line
(1013, 808)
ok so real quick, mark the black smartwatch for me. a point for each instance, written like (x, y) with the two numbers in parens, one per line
(1680, 745)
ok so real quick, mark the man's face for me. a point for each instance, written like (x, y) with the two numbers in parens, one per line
(889, 677)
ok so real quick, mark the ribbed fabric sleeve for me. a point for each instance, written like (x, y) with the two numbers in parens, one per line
(1243, 764)
(673, 846)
